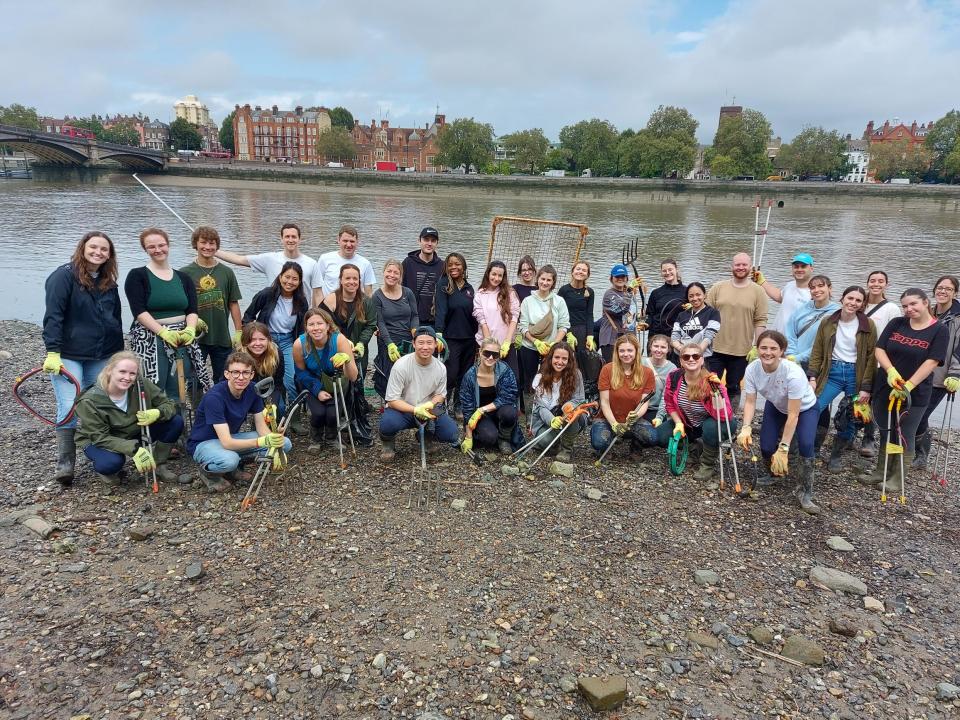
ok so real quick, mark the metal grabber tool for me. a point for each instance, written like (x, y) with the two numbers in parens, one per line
(265, 461)
(941, 458)
(613, 440)
(761, 233)
(893, 409)
(146, 440)
(721, 406)
(570, 417)
(343, 417)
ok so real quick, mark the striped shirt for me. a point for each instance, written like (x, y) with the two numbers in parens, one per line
(693, 410)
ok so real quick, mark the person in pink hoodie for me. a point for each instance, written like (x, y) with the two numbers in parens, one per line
(497, 310)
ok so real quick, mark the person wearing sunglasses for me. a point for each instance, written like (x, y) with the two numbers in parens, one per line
(790, 413)
(488, 400)
(215, 442)
(625, 388)
(689, 399)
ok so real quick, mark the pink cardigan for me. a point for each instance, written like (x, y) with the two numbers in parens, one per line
(671, 391)
(486, 310)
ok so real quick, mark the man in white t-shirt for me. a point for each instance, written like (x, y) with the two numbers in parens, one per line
(269, 263)
(794, 292)
(326, 274)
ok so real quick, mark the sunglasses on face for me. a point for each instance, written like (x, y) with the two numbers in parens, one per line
(690, 356)
(491, 354)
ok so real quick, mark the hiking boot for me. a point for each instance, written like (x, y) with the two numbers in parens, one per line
(388, 450)
(110, 482)
(161, 453)
(316, 440)
(505, 447)
(708, 463)
(215, 482)
(767, 478)
(804, 491)
(239, 476)
(922, 451)
(66, 456)
(835, 463)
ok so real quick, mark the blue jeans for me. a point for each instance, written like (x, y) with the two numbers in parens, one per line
(218, 359)
(842, 379)
(771, 429)
(284, 343)
(213, 457)
(85, 371)
(107, 462)
(641, 432)
(709, 430)
(394, 421)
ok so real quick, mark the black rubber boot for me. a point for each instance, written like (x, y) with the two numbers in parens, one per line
(869, 445)
(767, 478)
(66, 456)
(503, 439)
(388, 451)
(835, 464)
(819, 438)
(923, 450)
(805, 488)
(162, 455)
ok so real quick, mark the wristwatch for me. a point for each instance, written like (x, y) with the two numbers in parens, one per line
(783, 446)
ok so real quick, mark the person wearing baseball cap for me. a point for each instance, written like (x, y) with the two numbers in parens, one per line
(421, 270)
(616, 304)
(794, 293)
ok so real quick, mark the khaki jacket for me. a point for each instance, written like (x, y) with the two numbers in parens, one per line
(821, 355)
(104, 425)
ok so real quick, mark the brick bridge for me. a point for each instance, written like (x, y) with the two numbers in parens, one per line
(64, 150)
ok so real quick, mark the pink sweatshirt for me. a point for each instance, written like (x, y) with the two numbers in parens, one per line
(486, 310)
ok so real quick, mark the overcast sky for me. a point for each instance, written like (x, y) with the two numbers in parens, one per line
(516, 65)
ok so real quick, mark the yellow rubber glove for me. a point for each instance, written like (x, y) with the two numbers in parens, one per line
(541, 347)
(170, 337)
(147, 417)
(619, 428)
(656, 422)
(518, 341)
(359, 349)
(143, 460)
(745, 438)
(632, 417)
(441, 343)
(278, 462)
(187, 335)
(862, 412)
(792, 358)
(270, 415)
(474, 419)
(235, 338)
(202, 326)
(423, 411)
(752, 355)
(894, 378)
(951, 385)
(393, 352)
(466, 446)
(270, 440)
(779, 463)
(686, 306)
(758, 277)
(635, 283)
(571, 340)
(714, 380)
(902, 393)
(52, 363)
(678, 429)
(556, 423)
(340, 359)
(591, 344)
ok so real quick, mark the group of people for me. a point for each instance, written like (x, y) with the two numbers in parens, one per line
(498, 358)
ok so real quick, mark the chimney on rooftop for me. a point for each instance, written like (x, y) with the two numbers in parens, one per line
(275, 111)
(299, 110)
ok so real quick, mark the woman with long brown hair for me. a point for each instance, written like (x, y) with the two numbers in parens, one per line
(81, 330)
(496, 309)
(558, 383)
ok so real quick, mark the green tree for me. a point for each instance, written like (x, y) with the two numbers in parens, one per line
(122, 134)
(529, 148)
(342, 118)
(899, 159)
(723, 166)
(336, 145)
(92, 124)
(465, 142)
(226, 132)
(951, 164)
(646, 155)
(670, 121)
(815, 151)
(593, 144)
(20, 116)
(742, 142)
(185, 136)
(560, 159)
(942, 140)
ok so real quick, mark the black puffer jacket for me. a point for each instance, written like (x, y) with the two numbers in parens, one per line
(81, 324)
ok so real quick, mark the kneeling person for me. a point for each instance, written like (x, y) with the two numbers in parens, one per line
(557, 392)
(111, 421)
(626, 387)
(415, 394)
(215, 441)
(488, 399)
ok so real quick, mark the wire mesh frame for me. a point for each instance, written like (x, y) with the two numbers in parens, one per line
(546, 241)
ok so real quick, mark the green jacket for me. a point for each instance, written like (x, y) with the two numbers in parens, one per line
(821, 355)
(104, 425)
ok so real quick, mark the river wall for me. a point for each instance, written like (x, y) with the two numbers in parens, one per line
(942, 198)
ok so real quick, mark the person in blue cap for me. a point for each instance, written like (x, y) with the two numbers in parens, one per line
(793, 294)
(616, 309)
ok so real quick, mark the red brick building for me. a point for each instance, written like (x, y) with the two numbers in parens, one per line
(408, 147)
(278, 135)
(897, 132)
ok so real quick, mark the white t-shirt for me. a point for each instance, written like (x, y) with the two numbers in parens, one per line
(787, 382)
(326, 274)
(282, 320)
(885, 314)
(270, 263)
(792, 296)
(416, 383)
(845, 345)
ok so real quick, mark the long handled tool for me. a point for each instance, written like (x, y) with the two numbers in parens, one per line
(146, 440)
(763, 233)
(43, 396)
(630, 255)
(422, 436)
(343, 418)
(265, 460)
(523, 450)
(756, 231)
(721, 406)
(570, 418)
(941, 458)
(185, 408)
(629, 424)
(894, 448)
(160, 200)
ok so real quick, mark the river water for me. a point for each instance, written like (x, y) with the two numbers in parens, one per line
(41, 222)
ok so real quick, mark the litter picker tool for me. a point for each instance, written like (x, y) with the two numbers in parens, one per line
(630, 424)
(185, 406)
(570, 418)
(38, 399)
(146, 440)
(894, 408)
(160, 200)
(724, 423)
(523, 450)
(265, 460)
(762, 234)
(756, 231)
(941, 458)
(343, 418)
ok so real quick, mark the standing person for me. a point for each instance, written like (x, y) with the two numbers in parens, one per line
(806, 318)
(794, 292)
(111, 421)
(666, 302)
(416, 394)
(271, 263)
(625, 389)
(579, 299)
(81, 330)
(326, 273)
(688, 397)
(455, 324)
(743, 306)
(881, 311)
(544, 320)
(661, 366)
(321, 354)
(267, 358)
(617, 302)
(164, 306)
(699, 323)
(396, 307)
(908, 351)
(527, 274)
(281, 307)
(421, 270)
(557, 388)
(488, 400)
(218, 298)
(946, 378)
(216, 443)
(496, 309)
(843, 362)
(790, 412)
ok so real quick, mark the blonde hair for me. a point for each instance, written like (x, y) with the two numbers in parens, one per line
(266, 364)
(395, 263)
(618, 374)
(103, 379)
(700, 389)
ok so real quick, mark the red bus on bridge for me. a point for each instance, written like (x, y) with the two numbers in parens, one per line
(75, 132)
(223, 154)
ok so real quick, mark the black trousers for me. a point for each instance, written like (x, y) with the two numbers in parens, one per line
(322, 412)
(462, 353)
(495, 426)
(735, 365)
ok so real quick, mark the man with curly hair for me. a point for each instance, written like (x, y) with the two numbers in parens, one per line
(218, 298)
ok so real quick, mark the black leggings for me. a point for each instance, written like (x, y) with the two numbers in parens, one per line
(936, 397)
(529, 367)
(461, 355)
(495, 426)
(322, 412)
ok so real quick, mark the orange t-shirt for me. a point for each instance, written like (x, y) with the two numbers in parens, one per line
(624, 399)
